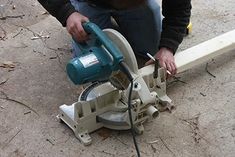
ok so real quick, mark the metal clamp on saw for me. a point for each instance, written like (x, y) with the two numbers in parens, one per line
(105, 103)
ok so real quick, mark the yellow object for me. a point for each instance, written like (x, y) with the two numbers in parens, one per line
(189, 28)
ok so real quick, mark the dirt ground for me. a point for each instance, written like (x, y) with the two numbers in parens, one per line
(33, 84)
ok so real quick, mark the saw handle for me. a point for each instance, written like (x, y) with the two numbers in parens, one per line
(100, 39)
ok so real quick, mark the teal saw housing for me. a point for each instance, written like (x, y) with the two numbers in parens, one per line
(97, 58)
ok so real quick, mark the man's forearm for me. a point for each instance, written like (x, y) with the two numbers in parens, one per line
(176, 18)
(61, 9)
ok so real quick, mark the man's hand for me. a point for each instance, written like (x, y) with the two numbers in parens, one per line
(166, 60)
(74, 26)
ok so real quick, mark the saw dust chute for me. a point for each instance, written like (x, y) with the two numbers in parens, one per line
(104, 103)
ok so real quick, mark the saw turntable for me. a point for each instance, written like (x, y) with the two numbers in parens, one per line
(119, 95)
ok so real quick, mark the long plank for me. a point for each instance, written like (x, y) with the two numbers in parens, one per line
(201, 53)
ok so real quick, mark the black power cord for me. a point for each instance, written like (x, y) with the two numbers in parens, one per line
(127, 72)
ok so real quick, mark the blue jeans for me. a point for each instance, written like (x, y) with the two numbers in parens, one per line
(140, 26)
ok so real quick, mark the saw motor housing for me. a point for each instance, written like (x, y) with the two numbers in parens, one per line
(105, 105)
(98, 58)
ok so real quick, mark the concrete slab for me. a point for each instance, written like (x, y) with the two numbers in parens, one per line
(202, 125)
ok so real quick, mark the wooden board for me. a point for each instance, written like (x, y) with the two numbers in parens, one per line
(205, 51)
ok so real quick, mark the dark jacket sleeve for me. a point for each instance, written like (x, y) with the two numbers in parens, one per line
(176, 18)
(60, 9)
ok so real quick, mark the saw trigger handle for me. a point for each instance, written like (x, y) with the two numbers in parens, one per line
(101, 39)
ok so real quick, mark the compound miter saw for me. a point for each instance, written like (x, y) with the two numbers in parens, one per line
(108, 67)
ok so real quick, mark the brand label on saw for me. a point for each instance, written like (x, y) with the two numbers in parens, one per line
(89, 60)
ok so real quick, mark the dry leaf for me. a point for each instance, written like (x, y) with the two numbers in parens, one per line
(40, 37)
(7, 64)
(104, 133)
(45, 13)
(152, 142)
